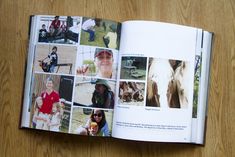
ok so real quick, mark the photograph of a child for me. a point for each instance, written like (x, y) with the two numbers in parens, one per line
(91, 122)
(50, 104)
(98, 93)
(97, 62)
(59, 29)
(167, 83)
(131, 93)
(133, 68)
(100, 32)
(52, 58)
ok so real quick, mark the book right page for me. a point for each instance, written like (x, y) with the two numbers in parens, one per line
(155, 82)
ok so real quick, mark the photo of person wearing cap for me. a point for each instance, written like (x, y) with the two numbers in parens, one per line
(103, 62)
(102, 96)
(95, 93)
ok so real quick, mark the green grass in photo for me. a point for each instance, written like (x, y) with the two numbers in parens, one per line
(99, 33)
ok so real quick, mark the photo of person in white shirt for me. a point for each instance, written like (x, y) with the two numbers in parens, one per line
(89, 27)
(100, 33)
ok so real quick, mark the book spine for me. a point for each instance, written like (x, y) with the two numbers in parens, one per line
(204, 86)
(29, 72)
(197, 83)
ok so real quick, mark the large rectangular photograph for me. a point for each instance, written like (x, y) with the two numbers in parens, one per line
(167, 83)
(51, 101)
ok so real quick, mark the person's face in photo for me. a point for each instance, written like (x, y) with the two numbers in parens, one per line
(43, 27)
(100, 88)
(54, 49)
(104, 62)
(94, 128)
(39, 102)
(97, 116)
(49, 85)
(57, 18)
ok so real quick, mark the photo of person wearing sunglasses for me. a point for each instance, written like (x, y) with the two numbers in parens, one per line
(97, 116)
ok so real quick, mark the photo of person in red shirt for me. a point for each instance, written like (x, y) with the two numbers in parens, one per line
(49, 97)
(55, 28)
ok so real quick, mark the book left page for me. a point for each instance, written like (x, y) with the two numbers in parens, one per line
(71, 75)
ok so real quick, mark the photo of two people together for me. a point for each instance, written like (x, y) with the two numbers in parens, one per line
(97, 123)
(100, 32)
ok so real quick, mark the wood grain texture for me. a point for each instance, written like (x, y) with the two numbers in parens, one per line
(213, 15)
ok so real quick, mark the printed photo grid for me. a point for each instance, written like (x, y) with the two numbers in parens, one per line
(74, 75)
(153, 82)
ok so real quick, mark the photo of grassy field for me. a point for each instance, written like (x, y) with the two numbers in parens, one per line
(100, 32)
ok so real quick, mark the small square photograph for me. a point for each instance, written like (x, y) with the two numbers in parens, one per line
(51, 102)
(59, 29)
(133, 68)
(95, 93)
(100, 33)
(91, 122)
(97, 62)
(55, 58)
(167, 83)
(131, 93)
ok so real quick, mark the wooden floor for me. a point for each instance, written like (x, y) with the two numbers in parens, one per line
(217, 16)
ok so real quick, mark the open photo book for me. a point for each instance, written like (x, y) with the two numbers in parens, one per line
(135, 80)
